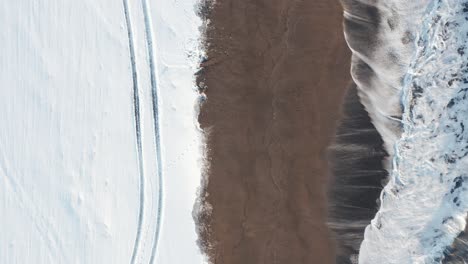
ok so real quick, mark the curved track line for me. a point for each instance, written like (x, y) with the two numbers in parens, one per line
(157, 127)
(136, 103)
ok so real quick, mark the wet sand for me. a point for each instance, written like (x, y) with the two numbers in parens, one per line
(275, 78)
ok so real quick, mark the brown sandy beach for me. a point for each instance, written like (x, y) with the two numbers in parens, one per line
(275, 78)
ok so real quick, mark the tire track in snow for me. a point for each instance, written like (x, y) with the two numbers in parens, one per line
(136, 105)
(156, 120)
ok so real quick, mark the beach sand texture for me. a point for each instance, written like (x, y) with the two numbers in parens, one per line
(275, 76)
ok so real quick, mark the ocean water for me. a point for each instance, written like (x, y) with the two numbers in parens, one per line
(356, 158)
(411, 69)
(423, 207)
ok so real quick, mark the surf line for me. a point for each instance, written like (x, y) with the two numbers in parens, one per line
(136, 105)
(157, 124)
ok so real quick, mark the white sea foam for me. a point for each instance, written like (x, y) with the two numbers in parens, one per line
(381, 36)
(424, 205)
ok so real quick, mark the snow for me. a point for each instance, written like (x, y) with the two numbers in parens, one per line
(69, 162)
(177, 39)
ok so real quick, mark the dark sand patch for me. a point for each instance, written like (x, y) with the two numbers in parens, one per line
(274, 78)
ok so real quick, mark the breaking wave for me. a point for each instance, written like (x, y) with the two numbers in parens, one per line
(410, 65)
(423, 207)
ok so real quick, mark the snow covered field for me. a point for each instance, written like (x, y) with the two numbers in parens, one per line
(94, 96)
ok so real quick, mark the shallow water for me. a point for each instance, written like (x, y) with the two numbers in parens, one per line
(356, 157)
